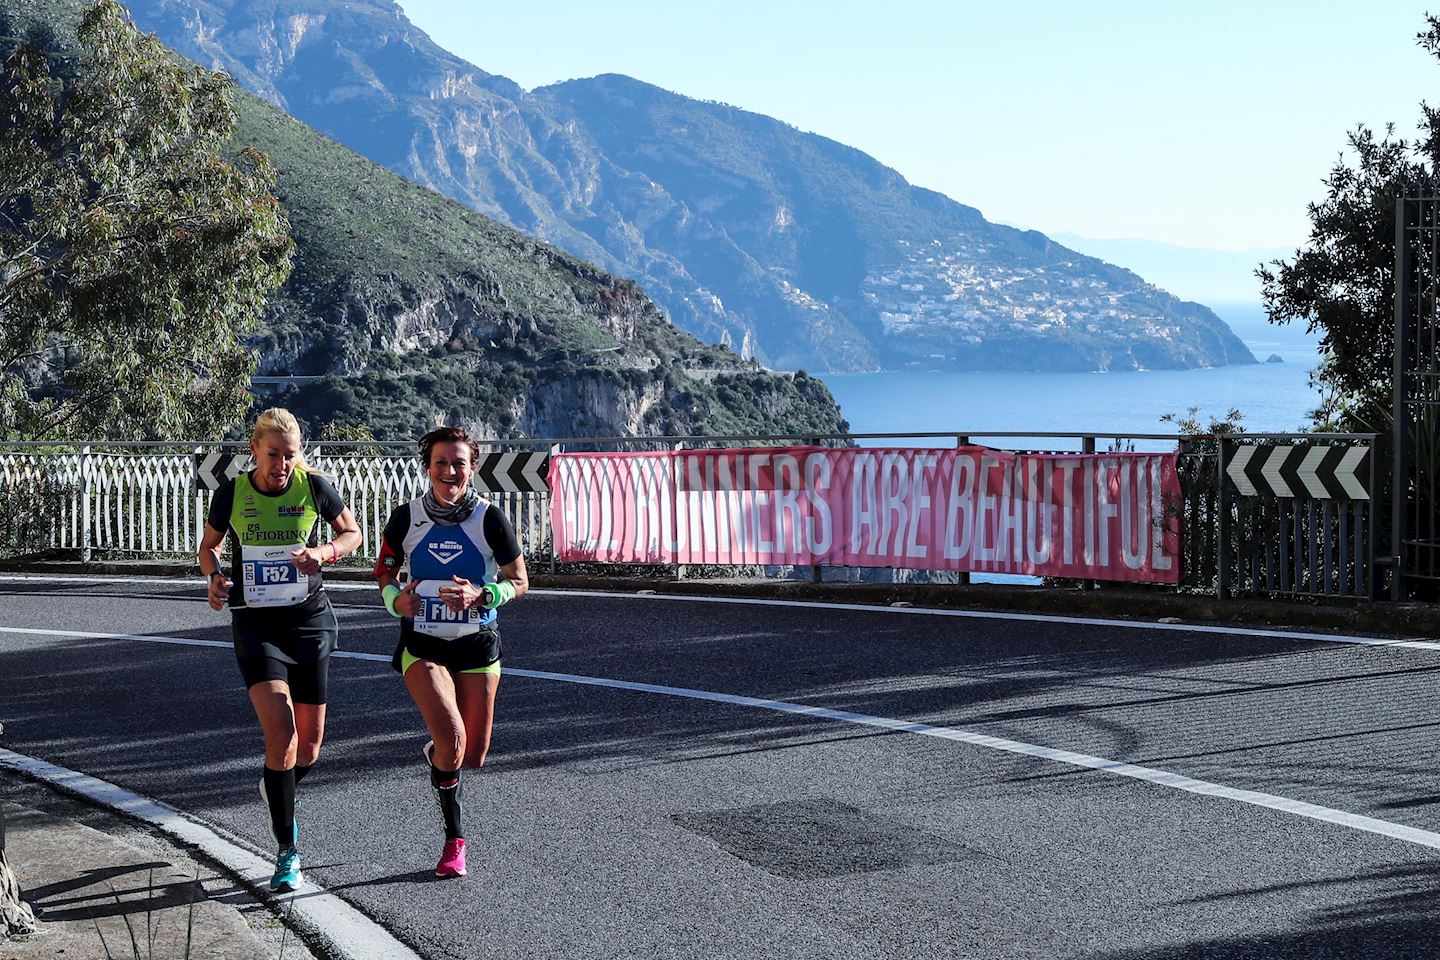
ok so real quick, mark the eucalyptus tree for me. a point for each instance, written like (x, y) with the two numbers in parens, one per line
(137, 247)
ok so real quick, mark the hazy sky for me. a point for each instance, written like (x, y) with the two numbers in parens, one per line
(1207, 124)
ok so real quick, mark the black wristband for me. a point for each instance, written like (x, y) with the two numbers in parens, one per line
(217, 573)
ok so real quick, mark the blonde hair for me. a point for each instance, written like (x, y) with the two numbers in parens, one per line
(281, 421)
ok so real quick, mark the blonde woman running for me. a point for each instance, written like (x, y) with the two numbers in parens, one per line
(283, 625)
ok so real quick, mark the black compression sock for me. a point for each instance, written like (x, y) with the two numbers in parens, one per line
(449, 789)
(280, 794)
(300, 770)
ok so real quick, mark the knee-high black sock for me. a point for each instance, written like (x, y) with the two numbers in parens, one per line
(280, 794)
(449, 790)
(300, 770)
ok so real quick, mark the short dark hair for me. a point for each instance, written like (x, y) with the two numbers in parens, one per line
(448, 435)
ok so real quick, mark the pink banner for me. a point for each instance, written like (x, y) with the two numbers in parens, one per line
(1100, 516)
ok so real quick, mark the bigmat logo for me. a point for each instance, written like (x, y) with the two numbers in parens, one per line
(446, 550)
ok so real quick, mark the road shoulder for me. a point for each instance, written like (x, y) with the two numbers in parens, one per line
(91, 873)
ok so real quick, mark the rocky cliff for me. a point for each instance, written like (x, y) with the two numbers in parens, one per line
(784, 245)
(406, 309)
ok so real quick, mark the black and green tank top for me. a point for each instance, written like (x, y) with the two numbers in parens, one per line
(264, 528)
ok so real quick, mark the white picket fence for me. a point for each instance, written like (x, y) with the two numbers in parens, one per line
(147, 501)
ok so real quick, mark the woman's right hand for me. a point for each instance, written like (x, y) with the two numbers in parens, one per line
(408, 603)
(219, 592)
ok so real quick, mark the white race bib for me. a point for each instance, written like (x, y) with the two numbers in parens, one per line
(270, 578)
(438, 620)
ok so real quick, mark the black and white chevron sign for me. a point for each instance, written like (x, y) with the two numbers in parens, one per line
(513, 472)
(214, 468)
(1319, 472)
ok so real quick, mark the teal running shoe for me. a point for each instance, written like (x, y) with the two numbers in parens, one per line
(287, 871)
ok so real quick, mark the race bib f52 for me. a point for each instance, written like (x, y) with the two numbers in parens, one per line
(270, 579)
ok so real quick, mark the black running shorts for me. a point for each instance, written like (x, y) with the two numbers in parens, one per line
(291, 644)
(479, 649)
(308, 682)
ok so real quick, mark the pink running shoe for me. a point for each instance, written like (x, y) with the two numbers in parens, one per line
(452, 861)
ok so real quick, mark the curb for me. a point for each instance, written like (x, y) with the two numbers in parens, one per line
(331, 927)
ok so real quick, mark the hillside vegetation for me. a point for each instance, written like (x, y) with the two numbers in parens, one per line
(791, 247)
(413, 310)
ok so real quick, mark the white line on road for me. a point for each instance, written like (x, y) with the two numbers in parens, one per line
(319, 912)
(91, 635)
(1300, 808)
(1227, 630)
(1231, 631)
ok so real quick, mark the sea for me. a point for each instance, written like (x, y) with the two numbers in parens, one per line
(1271, 397)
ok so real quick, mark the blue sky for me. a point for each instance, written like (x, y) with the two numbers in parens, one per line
(1207, 125)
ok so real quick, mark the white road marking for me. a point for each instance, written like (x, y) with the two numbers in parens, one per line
(354, 935)
(196, 581)
(1025, 617)
(1164, 778)
(1354, 821)
(92, 635)
(1231, 631)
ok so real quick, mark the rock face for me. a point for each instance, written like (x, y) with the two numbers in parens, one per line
(613, 408)
(783, 245)
(415, 310)
(406, 309)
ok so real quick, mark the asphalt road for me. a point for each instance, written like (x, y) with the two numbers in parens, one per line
(622, 823)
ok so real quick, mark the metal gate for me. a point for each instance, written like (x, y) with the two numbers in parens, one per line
(1415, 481)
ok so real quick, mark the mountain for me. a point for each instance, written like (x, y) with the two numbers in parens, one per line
(1210, 276)
(791, 247)
(406, 309)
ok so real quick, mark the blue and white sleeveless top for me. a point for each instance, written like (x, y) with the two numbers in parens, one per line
(474, 549)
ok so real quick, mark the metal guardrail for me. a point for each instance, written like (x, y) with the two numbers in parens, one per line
(142, 498)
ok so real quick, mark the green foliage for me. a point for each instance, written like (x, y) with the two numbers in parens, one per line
(361, 437)
(1195, 511)
(31, 509)
(537, 319)
(747, 402)
(1342, 283)
(134, 257)
(1189, 425)
(402, 399)
(1199, 448)
(422, 311)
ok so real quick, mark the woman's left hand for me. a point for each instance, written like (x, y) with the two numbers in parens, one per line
(461, 594)
(307, 559)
